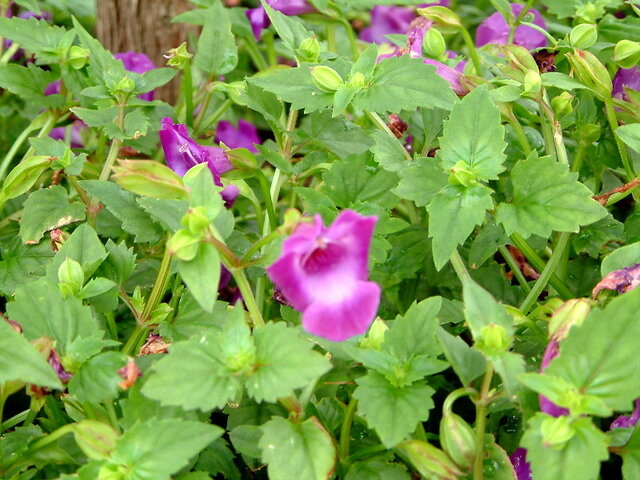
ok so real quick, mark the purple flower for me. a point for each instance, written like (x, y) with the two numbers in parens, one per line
(386, 20)
(626, 421)
(626, 77)
(258, 19)
(244, 136)
(182, 152)
(323, 273)
(76, 141)
(520, 464)
(451, 75)
(137, 63)
(546, 405)
(495, 29)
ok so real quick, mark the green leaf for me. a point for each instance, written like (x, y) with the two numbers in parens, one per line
(547, 197)
(47, 209)
(166, 212)
(467, 362)
(297, 450)
(289, 28)
(486, 244)
(20, 361)
(285, 361)
(28, 83)
(104, 68)
(197, 367)
(202, 275)
(393, 412)
(481, 310)
(97, 380)
(579, 458)
(42, 311)
(35, 36)
(156, 449)
(599, 237)
(123, 206)
(421, 181)
(191, 319)
(509, 366)
(338, 135)
(84, 247)
(631, 456)
(388, 152)
(96, 118)
(620, 258)
(395, 87)
(217, 52)
(599, 357)
(453, 214)
(377, 469)
(22, 264)
(119, 264)
(474, 135)
(630, 135)
(135, 125)
(414, 333)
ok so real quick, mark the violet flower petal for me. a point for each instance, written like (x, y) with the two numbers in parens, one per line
(323, 273)
(76, 141)
(626, 77)
(259, 20)
(495, 29)
(386, 20)
(291, 7)
(520, 464)
(626, 421)
(244, 136)
(546, 405)
(451, 75)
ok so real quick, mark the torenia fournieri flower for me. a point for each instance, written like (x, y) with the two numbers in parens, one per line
(244, 136)
(323, 273)
(495, 29)
(520, 465)
(183, 152)
(626, 78)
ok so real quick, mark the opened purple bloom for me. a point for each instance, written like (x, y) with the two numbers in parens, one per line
(387, 20)
(182, 153)
(520, 464)
(244, 136)
(626, 77)
(451, 75)
(137, 63)
(546, 405)
(323, 273)
(495, 29)
(626, 421)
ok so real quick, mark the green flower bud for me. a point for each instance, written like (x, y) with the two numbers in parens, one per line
(461, 174)
(125, 85)
(70, 276)
(183, 245)
(196, 221)
(96, 439)
(149, 178)
(556, 432)
(178, 57)
(493, 339)
(561, 104)
(357, 80)
(326, 78)
(430, 461)
(583, 36)
(532, 82)
(570, 313)
(626, 53)
(519, 62)
(434, 44)
(375, 337)
(458, 440)
(591, 72)
(309, 50)
(78, 57)
(445, 19)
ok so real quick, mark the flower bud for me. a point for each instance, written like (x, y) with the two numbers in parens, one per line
(70, 277)
(196, 221)
(493, 339)
(326, 78)
(434, 44)
(519, 62)
(591, 72)
(429, 461)
(561, 105)
(78, 57)
(461, 174)
(583, 36)
(23, 176)
(96, 439)
(149, 178)
(309, 50)
(125, 85)
(570, 313)
(183, 245)
(444, 18)
(556, 431)
(532, 82)
(357, 80)
(375, 336)
(178, 57)
(626, 53)
(458, 440)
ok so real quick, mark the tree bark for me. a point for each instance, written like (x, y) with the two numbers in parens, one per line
(143, 26)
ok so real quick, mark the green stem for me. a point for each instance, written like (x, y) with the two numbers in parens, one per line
(458, 265)
(3, 399)
(353, 42)
(547, 133)
(259, 244)
(205, 104)
(271, 213)
(11, 51)
(578, 158)
(331, 38)
(254, 53)
(272, 57)
(136, 337)
(111, 414)
(613, 124)
(545, 276)
(187, 89)
(550, 37)
(473, 53)
(447, 406)
(13, 421)
(481, 419)
(211, 119)
(115, 146)
(539, 264)
(247, 295)
(556, 130)
(515, 268)
(345, 430)
(383, 126)
(159, 287)
(519, 131)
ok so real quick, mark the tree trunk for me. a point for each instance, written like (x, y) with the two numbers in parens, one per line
(143, 26)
